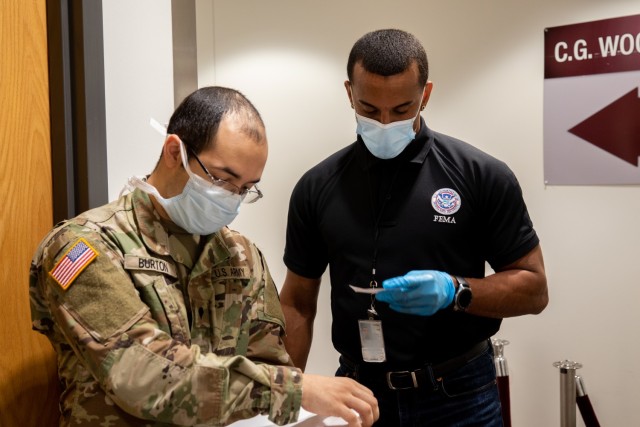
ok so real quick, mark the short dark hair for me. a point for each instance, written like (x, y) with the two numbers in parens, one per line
(197, 118)
(388, 52)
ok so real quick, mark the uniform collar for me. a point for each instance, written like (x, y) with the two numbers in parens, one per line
(416, 152)
(157, 235)
(152, 229)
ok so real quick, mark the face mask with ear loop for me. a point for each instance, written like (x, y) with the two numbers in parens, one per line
(386, 141)
(202, 208)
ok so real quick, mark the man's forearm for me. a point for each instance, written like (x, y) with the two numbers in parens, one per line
(519, 289)
(299, 299)
(299, 334)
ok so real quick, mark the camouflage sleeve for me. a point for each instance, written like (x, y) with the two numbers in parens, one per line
(266, 344)
(146, 371)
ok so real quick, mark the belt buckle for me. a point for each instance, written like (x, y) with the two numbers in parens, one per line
(413, 378)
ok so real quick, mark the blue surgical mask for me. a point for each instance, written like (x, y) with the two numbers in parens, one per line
(202, 208)
(385, 141)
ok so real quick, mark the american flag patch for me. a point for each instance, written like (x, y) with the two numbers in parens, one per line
(72, 263)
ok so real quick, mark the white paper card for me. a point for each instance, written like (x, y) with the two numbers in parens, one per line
(366, 290)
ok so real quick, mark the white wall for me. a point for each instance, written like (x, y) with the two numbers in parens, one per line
(138, 85)
(289, 58)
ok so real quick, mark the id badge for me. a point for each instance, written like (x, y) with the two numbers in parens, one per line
(371, 341)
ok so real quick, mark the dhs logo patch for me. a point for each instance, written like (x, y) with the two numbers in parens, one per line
(446, 201)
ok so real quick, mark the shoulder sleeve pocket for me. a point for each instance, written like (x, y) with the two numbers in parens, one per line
(272, 311)
(103, 297)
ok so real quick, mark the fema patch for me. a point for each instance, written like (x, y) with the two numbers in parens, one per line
(446, 201)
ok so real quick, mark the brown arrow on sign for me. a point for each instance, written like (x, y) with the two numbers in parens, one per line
(615, 128)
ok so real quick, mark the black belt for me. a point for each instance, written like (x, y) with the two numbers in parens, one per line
(403, 380)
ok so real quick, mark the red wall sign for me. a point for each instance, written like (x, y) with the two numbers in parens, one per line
(592, 102)
(607, 46)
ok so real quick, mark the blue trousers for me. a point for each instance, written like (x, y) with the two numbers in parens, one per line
(467, 396)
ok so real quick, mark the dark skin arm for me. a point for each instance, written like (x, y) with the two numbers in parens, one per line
(517, 289)
(299, 299)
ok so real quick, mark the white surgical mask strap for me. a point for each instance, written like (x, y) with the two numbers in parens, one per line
(143, 185)
(417, 115)
(183, 154)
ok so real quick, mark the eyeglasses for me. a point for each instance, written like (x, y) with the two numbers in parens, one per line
(250, 195)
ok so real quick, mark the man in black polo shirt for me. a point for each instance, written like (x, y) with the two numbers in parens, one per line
(417, 214)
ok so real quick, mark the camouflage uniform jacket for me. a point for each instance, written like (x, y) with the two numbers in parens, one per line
(161, 327)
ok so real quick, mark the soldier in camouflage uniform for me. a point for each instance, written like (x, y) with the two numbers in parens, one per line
(162, 315)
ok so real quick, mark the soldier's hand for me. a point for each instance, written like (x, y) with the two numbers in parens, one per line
(339, 397)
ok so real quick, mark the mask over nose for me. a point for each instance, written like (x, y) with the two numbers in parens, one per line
(202, 208)
(385, 141)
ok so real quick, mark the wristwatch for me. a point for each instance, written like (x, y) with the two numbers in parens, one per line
(463, 297)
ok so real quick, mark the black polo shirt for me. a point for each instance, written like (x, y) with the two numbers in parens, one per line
(440, 205)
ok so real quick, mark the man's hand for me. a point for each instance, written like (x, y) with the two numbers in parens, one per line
(339, 397)
(421, 292)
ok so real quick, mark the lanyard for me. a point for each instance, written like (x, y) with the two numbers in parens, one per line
(376, 232)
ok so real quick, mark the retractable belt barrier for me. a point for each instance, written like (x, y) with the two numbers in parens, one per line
(572, 392)
(584, 404)
(502, 377)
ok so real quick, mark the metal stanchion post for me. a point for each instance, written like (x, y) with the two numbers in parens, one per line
(584, 404)
(502, 373)
(567, 392)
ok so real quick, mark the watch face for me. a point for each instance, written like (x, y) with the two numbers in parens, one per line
(464, 297)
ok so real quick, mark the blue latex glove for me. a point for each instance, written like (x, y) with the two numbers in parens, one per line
(421, 292)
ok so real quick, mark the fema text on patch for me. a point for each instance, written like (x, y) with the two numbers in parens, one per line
(444, 218)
